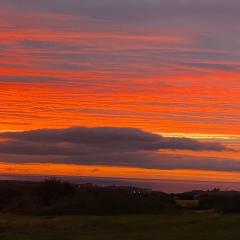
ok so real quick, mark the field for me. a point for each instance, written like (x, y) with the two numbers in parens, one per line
(128, 227)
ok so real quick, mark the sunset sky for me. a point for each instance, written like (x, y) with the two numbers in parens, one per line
(144, 89)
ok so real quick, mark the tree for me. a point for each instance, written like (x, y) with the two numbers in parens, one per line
(53, 189)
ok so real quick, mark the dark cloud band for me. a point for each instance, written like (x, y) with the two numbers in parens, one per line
(108, 146)
(82, 140)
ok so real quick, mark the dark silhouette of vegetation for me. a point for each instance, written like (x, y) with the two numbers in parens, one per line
(54, 196)
(53, 189)
(222, 202)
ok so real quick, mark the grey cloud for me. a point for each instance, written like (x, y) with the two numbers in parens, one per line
(77, 140)
(108, 146)
(51, 45)
(126, 10)
(27, 79)
(152, 160)
(206, 25)
(143, 159)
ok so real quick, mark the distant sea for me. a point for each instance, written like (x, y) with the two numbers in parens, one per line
(168, 186)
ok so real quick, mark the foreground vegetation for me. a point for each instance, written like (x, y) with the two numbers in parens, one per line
(55, 197)
(56, 210)
(186, 225)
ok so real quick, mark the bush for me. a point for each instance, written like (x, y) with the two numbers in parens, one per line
(53, 189)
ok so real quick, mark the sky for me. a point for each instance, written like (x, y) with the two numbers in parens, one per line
(145, 89)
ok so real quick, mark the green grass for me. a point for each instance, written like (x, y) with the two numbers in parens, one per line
(192, 226)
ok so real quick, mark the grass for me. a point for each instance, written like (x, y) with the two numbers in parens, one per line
(128, 227)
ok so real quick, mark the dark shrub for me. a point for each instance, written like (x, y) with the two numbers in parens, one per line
(221, 203)
(52, 190)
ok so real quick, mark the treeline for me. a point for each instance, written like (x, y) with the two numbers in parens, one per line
(53, 196)
(214, 200)
(223, 203)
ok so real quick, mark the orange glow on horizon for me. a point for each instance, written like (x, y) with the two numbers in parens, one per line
(117, 172)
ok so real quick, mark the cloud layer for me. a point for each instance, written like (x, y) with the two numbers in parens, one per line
(167, 66)
(174, 65)
(109, 146)
(82, 140)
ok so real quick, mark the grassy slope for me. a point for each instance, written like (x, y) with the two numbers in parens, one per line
(167, 226)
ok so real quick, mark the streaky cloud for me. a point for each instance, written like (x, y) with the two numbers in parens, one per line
(77, 140)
